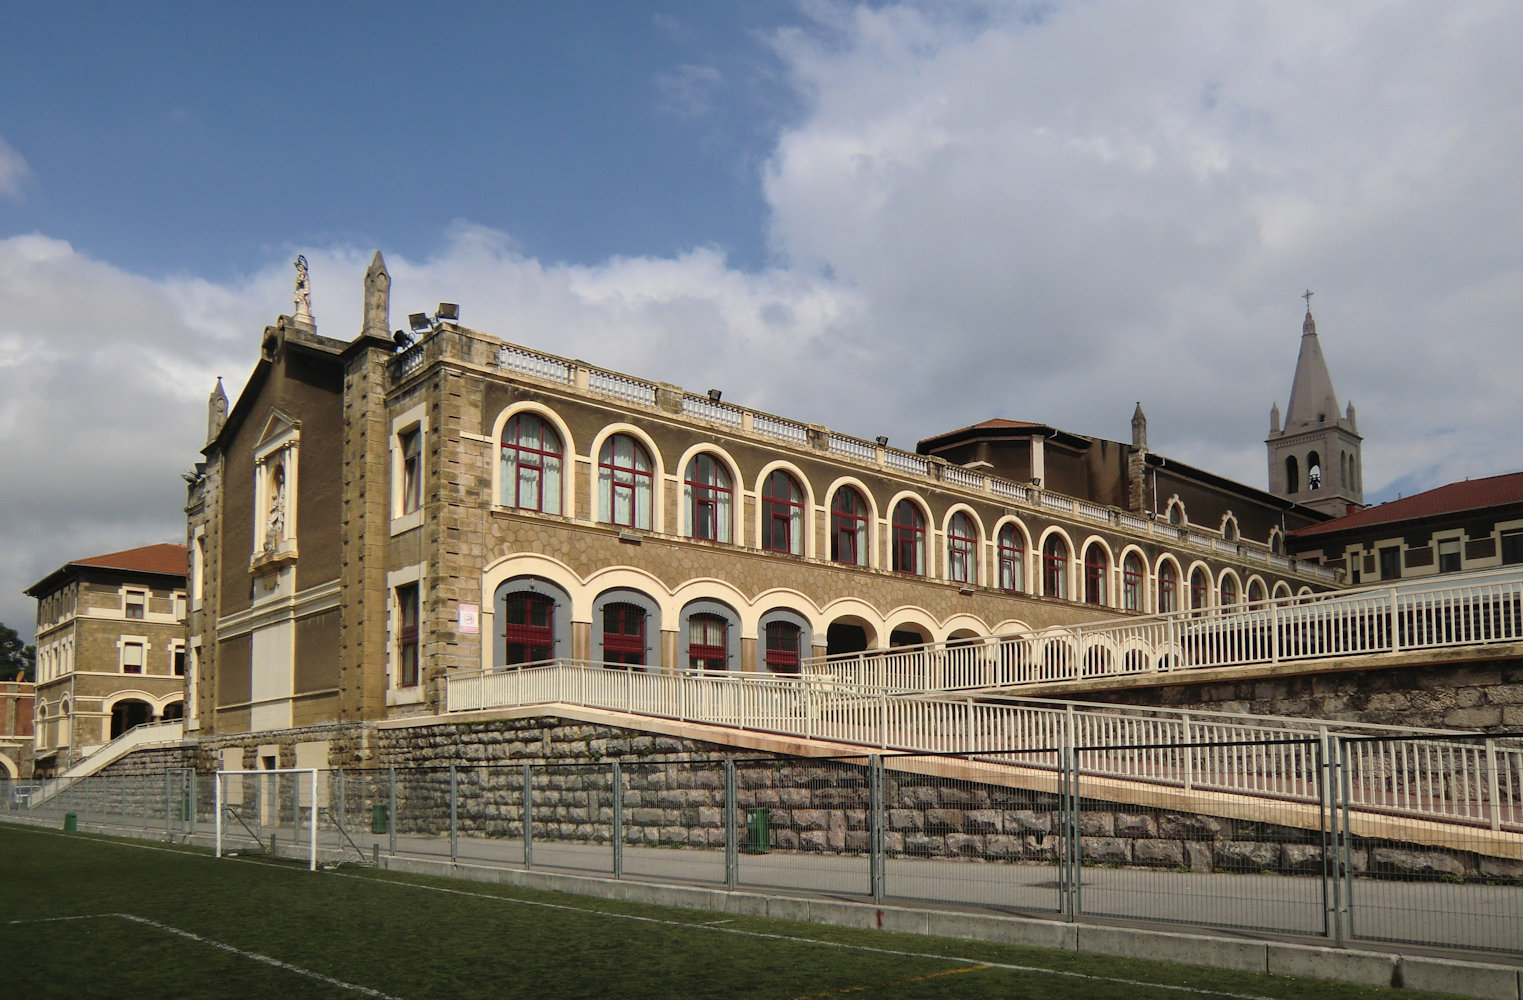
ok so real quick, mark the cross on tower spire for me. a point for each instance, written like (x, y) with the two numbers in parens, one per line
(1307, 296)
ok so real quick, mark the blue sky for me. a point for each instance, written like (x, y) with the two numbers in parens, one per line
(889, 218)
(174, 137)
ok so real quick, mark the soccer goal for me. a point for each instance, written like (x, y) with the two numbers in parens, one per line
(259, 810)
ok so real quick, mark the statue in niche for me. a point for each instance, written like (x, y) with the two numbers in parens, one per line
(303, 291)
(275, 521)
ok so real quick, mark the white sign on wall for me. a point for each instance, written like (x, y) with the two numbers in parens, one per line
(470, 619)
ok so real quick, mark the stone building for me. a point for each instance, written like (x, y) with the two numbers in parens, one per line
(1315, 458)
(110, 650)
(1471, 525)
(16, 709)
(374, 516)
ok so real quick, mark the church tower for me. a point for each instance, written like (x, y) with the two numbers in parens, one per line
(1314, 458)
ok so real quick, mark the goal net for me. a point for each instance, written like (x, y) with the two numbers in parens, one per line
(271, 811)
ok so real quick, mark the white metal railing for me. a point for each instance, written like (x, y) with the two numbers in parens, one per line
(1430, 613)
(1439, 778)
(143, 735)
(543, 365)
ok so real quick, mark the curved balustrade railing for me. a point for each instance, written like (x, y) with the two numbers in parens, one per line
(1441, 778)
(1478, 609)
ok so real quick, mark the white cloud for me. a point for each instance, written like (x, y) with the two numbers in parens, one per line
(13, 171)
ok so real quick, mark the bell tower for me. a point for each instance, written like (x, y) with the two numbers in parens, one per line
(1315, 457)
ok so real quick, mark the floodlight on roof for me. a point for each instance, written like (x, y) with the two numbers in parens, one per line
(419, 322)
(449, 311)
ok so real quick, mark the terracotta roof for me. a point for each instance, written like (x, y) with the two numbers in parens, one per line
(166, 559)
(1471, 494)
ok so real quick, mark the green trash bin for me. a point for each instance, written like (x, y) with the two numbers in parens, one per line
(379, 820)
(758, 830)
(71, 822)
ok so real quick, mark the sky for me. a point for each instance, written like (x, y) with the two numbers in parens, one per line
(889, 218)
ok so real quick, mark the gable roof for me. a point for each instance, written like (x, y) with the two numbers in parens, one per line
(1455, 498)
(165, 559)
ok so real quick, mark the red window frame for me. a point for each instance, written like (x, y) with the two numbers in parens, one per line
(962, 550)
(706, 494)
(1197, 590)
(778, 510)
(1131, 582)
(528, 628)
(532, 456)
(624, 634)
(626, 478)
(407, 635)
(848, 527)
(1012, 559)
(909, 539)
(1168, 589)
(1095, 567)
(1055, 568)
(1227, 591)
(783, 640)
(708, 655)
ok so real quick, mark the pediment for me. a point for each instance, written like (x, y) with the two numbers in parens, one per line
(278, 425)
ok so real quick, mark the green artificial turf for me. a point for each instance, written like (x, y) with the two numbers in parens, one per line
(88, 917)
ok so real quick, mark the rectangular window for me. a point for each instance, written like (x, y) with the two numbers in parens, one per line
(135, 604)
(407, 635)
(411, 443)
(1512, 547)
(178, 659)
(1449, 555)
(1390, 563)
(132, 657)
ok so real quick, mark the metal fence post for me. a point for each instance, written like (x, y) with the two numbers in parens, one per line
(168, 802)
(618, 822)
(1327, 803)
(192, 793)
(876, 854)
(454, 846)
(391, 809)
(528, 809)
(731, 836)
(1493, 786)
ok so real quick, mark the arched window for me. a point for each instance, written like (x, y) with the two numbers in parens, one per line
(1276, 541)
(782, 514)
(1342, 468)
(848, 528)
(909, 538)
(1168, 588)
(1055, 567)
(708, 497)
(1313, 471)
(623, 634)
(625, 483)
(1255, 593)
(1292, 475)
(707, 636)
(1198, 589)
(1012, 559)
(1131, 582)
(1096, 565)
(783, 641)
(528, 627)
(962, 550)
(1177, 514)
(1227, 590)
(531, 465)
(1229, 528)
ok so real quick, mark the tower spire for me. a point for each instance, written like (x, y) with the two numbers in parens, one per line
(377, 299)
(1315, 455)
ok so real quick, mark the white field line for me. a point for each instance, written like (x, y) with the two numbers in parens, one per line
(240, 952)
(715, 928)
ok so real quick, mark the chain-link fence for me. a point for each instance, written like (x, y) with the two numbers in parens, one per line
(1322, 849)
